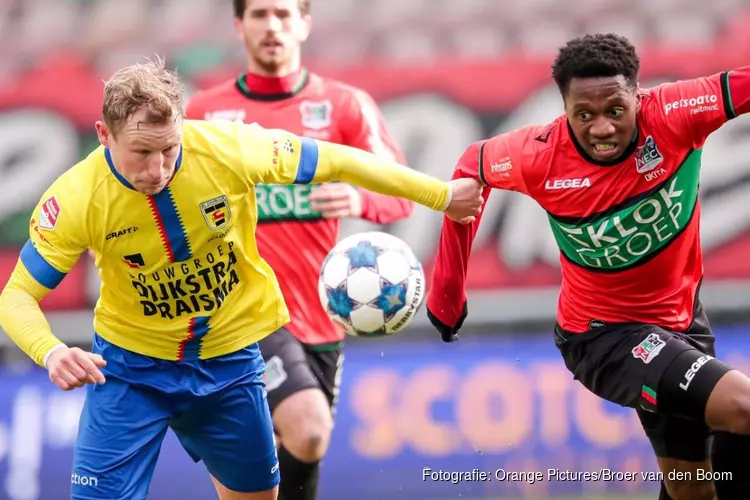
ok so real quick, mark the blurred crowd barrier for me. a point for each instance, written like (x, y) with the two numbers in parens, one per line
(495, 406)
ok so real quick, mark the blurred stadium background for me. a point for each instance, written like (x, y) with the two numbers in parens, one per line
(446, 72)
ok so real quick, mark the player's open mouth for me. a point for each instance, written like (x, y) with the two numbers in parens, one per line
(605, 150)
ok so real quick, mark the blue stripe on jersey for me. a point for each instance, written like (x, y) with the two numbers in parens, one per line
(123, 180)
(191, 348)
(41, 270)
(308, 161)
(172, 225)
(114, 171)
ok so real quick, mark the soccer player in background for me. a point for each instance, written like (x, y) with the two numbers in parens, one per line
(618, 176)
(166, 206)
(298, 227)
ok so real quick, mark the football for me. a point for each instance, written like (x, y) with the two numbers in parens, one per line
(372, 284)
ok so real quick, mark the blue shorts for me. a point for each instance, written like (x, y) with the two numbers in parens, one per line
(216, 407)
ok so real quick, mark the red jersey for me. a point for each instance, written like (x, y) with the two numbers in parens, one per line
(628, 233)
(292, 238)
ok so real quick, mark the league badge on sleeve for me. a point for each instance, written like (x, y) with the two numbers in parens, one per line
(49, 214)
(216, 212)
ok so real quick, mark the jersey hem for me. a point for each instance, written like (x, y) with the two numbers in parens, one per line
(257, 335)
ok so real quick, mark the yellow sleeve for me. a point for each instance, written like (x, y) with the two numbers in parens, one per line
(57, 238)
(21, 317)
(279, 157)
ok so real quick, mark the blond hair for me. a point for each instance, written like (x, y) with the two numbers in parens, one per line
(140, 85)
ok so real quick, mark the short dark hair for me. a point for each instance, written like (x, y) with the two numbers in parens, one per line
(596, 56)
(241, 5)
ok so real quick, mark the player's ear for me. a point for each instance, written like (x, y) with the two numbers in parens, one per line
(638, 97)
(238, 31)
(306, 27)
(103, 133)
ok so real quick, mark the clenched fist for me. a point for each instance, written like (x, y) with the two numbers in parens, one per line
(72, 367)
(466, 200)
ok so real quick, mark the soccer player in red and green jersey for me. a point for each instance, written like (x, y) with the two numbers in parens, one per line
(618, 176)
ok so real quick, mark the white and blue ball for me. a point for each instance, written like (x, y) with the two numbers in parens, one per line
(372, 284)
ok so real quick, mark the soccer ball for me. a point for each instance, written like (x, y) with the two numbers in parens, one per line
(372, 284)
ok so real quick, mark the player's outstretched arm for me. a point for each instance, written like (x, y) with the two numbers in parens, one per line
(447, 306)
(460, 199)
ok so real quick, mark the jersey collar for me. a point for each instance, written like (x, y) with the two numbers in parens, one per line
(123, 180)
(257, 94)
(625, 155)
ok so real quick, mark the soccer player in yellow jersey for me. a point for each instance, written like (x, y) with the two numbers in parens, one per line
(166, 205)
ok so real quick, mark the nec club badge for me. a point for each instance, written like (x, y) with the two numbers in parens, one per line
(49, 214)
(316, 115)
(216, 212)
(649, 348)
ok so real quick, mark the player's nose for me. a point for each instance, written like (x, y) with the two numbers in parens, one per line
(602, 128)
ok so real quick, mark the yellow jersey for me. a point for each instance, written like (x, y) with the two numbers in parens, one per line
(181, 277)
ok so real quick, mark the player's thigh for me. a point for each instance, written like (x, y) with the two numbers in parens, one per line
(682, 448)
(327, 366)
(287, 373)
(623, 363)
(120, 434)
(232, 433)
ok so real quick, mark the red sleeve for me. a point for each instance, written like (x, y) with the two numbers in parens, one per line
(497, 163)
(193, 110)
(364, 127)
(448, 287)
(693, 109)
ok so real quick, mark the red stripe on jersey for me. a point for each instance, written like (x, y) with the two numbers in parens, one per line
(186, 340)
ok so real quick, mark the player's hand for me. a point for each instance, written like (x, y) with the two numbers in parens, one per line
(466, 200)
(448, 333)
(336, 200)
(73, 367)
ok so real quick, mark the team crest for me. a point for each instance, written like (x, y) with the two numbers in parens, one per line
(216, 212)
(648, 156)
(649, 348)
(316, 115)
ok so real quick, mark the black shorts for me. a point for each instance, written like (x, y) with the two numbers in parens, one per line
(665, 376)
(292, 366)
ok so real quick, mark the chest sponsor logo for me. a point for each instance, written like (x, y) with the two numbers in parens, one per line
(199, 285)
(284, 203)
(316, 115)
(551, 185)
(49, 214)
(623, 238)
(231, 115)
(216, 212)
(648, 156)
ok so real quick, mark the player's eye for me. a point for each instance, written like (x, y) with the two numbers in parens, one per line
(584, 115)
(170, 149)
(616, 112)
